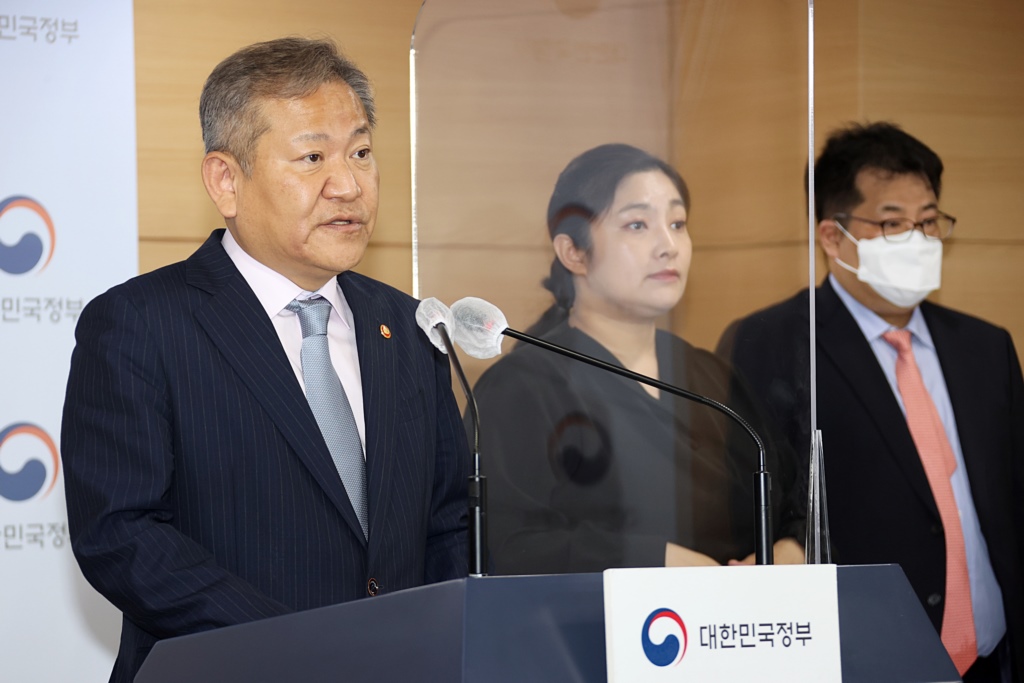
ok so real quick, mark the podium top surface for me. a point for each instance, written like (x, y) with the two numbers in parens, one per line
(517, 628)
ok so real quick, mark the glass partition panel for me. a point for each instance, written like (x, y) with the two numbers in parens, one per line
(589, 471)
(952, 76)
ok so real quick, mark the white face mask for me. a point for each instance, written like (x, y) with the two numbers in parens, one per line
(903, 273)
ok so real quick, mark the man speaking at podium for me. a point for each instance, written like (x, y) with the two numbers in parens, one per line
(921, 408)
(258, 430)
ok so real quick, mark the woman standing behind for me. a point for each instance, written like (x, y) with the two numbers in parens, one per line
(588, 470)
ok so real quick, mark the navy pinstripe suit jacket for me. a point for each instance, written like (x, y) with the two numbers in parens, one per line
(200, 491)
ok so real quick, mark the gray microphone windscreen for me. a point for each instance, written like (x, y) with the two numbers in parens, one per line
(429, 314)
(478, 327)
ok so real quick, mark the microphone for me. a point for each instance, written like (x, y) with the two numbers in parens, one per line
(430, 314)
(478, 328)
(434, 318)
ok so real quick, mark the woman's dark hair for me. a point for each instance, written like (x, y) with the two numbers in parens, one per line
(583, 192)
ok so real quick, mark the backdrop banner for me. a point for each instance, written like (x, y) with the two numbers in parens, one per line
(68, 231)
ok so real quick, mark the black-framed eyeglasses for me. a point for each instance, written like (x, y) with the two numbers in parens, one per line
(937, 227)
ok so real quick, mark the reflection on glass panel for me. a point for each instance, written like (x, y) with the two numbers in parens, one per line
(553, 138)
(899, 493)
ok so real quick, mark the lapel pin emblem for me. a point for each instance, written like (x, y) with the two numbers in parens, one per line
(385, 331)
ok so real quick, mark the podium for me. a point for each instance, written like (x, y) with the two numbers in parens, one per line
(517, 629)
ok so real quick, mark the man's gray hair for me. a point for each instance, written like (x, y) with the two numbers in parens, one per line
(230, 107)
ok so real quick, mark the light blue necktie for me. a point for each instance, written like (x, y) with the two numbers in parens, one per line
(330, 405)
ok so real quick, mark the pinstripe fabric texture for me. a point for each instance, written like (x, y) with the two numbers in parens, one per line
(329, 403)
(200, 491)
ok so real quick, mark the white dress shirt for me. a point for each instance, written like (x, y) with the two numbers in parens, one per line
(274, 292)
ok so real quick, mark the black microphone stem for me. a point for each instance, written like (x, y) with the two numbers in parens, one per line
(763, 543)
(477, 482)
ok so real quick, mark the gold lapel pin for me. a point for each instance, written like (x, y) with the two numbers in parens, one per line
(385, 331)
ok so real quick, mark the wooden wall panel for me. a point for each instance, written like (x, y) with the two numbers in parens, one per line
(508, 93)
(740, 139)
(154, 253)
(739, 118)
(951, 73)
(726, 283)
(985, 279)
(729, 90)
(389, 262)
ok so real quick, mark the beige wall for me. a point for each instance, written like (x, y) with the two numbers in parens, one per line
(740, 123)
(733, 120)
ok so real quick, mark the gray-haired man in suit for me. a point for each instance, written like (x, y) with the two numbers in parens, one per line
(227, 459)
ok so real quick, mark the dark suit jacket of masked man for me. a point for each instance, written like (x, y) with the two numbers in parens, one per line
(881, 508)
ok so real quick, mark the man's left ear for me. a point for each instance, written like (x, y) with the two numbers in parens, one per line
(220, 176)
(829, 236)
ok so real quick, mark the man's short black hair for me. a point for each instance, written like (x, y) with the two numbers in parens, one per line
(879, 146)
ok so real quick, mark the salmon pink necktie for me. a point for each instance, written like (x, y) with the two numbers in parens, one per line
(939, 463)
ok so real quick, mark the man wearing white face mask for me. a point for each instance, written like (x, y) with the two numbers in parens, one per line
(903, 263)
(921, 408)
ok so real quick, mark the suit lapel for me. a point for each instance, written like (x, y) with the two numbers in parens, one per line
(964, 384)
(238, 326)
(842, 344)
(379, 372)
